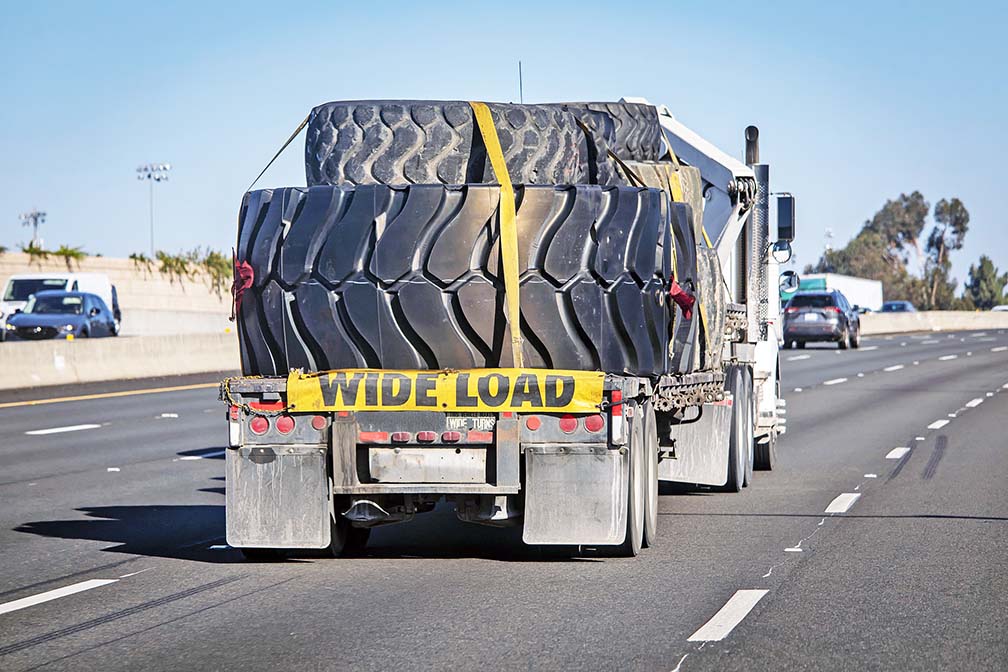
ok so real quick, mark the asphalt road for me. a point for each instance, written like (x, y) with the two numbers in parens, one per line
(113, 554)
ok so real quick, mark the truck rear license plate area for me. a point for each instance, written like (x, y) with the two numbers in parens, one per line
(429, 464)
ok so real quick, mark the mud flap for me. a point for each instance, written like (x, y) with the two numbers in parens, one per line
(700, 448)
(277, 497)
(575, 495)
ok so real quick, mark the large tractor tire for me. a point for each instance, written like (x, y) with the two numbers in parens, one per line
(637, 132)
(401, 142)
(407, 278)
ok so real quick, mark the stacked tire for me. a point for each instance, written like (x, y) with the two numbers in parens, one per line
(391, 257)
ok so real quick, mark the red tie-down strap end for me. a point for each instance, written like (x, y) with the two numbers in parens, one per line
(683, 298)
(243, 278)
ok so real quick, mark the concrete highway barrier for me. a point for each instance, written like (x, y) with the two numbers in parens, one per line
(37, 363)
(934, 320)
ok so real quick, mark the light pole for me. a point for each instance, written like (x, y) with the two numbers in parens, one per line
(153, 172)
(33, 219)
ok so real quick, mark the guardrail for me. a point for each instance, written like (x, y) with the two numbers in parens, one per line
(934, 320)
(37, 363)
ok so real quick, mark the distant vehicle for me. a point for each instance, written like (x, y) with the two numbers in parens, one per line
(862, 293)
(821, 316)
(52, 314)
(898, 307)
(1000, 309)
(21, 286)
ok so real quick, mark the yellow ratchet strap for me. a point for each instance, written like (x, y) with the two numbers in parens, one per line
(508, 230)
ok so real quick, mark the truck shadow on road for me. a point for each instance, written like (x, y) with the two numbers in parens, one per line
(170, 531)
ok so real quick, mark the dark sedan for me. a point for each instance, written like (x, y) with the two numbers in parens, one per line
(821, 316)
(59, 314)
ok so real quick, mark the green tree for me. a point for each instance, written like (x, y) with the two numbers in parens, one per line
(985, 288)
(900, 223)
(952, 223)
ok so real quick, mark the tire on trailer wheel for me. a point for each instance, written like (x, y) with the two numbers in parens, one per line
(765, 453)
(634, 539)
(737, 450)
(424, 291)
(650, 475)
(748, 438)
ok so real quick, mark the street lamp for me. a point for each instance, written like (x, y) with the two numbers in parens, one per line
(153, 172)
(33, 219)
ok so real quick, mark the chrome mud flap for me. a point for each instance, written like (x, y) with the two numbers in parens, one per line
(575, 494)
(277, 497)
(700, 448)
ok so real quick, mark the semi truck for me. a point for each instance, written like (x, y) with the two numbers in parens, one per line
(533, 312)
(863, 294)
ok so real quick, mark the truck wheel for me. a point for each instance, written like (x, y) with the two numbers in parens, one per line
(750, 424)
(765, 454)
(737, 450)
(345, 539)
(651, 476)
(634, 538)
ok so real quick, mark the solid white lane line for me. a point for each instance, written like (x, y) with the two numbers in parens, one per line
(938, 424)
(896, 453)
(973, 403)
(1000, 348)
(870, 347)
(843, 502)
(835, 381)
(32, 600)
(730, 615)
(930, 342)
(894, 367)
(204, 456)
(945, 358)
(60, 430)
(797, 357)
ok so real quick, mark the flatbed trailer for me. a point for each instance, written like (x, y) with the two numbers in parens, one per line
(316, 460)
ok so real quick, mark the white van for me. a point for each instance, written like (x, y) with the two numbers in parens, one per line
(22, 285)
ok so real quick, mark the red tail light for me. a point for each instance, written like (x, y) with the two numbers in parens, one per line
(401, 437)
(426, 437)
(267, 405)
(259, 425)
(533, 423)
(832, 309)
(568, 424)
(480, 437)
(451, 437)
(234, 411)
(285, 424)
(373, 437)
(791, 310)
(617, 402)
(594, 423)
(319, 422)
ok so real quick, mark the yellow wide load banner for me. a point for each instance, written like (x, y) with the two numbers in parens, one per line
(469, 390)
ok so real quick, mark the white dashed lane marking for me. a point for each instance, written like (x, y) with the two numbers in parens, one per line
(896, 453)
(1000, 348)
(49, 595)
(894, 367)
(797, 358)
(938, 424)
(835, 381)
(60, 430)
(973, 403)
(870, 347)
(730, 615)
(945, 358)
(843, 502)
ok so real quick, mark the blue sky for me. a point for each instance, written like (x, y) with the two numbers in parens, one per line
(856, 102)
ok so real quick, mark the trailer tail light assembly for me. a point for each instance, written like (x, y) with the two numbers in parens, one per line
(284, 424)
(533, 423)
(401, 437)
(426, 437)
(319, 422)
(259, 425)
(451, 437)
(234, 426)
(568, 423)
(594, 423)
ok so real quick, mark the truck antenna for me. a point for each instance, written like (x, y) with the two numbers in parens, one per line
(521, 94)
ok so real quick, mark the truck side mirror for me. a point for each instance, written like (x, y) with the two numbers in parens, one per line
(785, 217)
(789, 282)
(781, 251)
